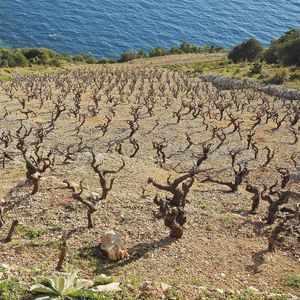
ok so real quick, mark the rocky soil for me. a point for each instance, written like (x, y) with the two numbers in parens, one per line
(223, 247)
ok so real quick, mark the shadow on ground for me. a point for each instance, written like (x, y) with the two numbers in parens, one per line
(258, 260)
(135, 253)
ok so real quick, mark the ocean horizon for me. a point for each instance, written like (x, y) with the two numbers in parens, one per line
(107, 28)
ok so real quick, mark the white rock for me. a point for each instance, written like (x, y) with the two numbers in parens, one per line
(219, 291)
(94, 196)
(293, 298)
(5, 267)
(36, 175)
(111, 287)
(165, 286)
(252, 289)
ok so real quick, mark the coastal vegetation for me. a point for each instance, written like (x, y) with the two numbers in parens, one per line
(183, 48)
(278, 64)
(284, 51)
(260, 72)
(248, 50)
(24, 57)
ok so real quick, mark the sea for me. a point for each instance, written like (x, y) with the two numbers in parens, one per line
(105, 28)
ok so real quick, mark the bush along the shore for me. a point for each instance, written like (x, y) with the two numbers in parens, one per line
(284, 51)
(248, 50)
(25, 57)
(161, 51)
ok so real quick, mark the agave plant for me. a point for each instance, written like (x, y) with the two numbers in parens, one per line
(60, 288)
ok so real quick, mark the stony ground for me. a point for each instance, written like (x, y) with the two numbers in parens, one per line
(223, 246)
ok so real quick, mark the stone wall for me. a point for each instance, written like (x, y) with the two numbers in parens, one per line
(228, 83)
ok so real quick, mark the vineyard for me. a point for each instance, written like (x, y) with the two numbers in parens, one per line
(201, 184)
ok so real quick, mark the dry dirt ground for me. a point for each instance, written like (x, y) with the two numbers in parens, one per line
(178, 59)
(223, 245)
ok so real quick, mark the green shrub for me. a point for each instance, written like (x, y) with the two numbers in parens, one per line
(11, 290)
(89, 58)
(228, 218)
(106, 60)
(189, 48)
(289, 53)
(225, 63)
(19, 59)
(175, 50)
(57, 63)
(128, 55)
(9, 58)
(261, 76)
(142, 54)
(60, 288)
(192, 48)
(248, 50)
(295, 76)
(78, 58)
(203, 206)
(212, 49)
(66, 57)
(285, 50)
(269, 55)
(37, 55)
(158, 51)
(256, 68)
(293, 281)
(278, 78)
(31, 232)
(42, 56)
(31, 56)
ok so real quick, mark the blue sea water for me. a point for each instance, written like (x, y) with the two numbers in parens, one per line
(108, 27)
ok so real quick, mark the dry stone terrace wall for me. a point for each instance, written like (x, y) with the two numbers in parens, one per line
(228, 83)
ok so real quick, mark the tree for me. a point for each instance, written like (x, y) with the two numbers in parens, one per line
(89, 58)
(189, 48)
(128, 55)
(42, 56)
(12, 58)
(175, 50)
(285, 50)
(20, 59)
(78, 58)
(247, 50)
(289, 53)
(142, 54)
(158, 51)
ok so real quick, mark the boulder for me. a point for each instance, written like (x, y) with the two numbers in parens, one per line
(112, 245)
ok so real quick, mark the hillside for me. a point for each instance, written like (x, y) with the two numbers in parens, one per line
(288, 77)
(144, 121)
